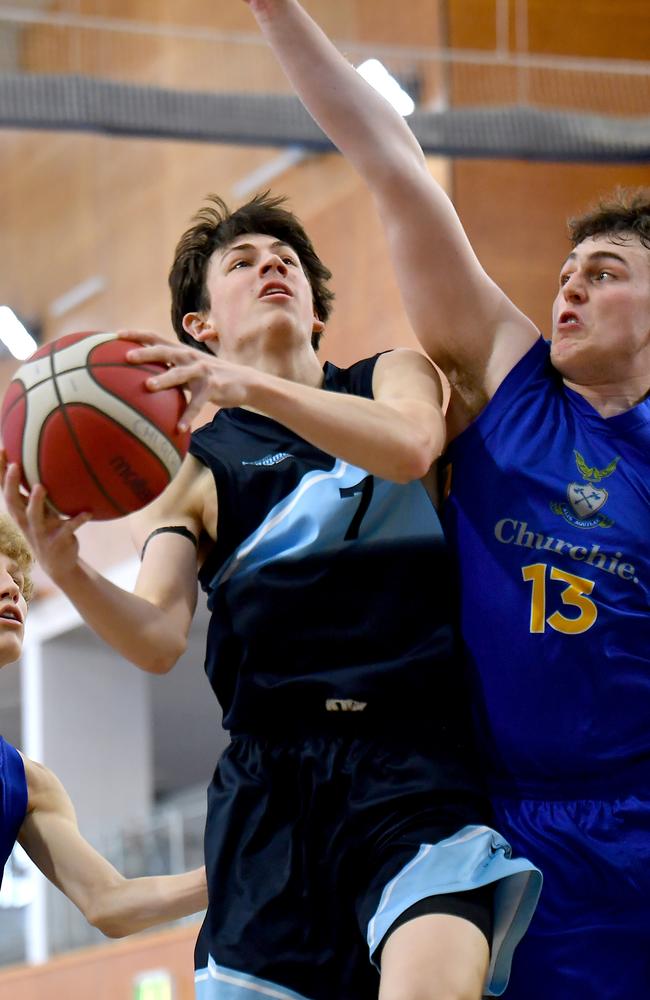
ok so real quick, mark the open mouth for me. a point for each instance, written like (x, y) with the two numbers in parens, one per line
(569, 319)
(11, 615)
(275, 288)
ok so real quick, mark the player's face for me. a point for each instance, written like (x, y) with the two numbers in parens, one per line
(601, 315)
(13, 610)
(258, 289)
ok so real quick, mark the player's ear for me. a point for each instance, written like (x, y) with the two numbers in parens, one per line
(199, 328)
(317, 325)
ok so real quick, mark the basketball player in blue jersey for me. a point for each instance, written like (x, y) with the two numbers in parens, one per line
(348, 846)
(549, 517)
(36, 811)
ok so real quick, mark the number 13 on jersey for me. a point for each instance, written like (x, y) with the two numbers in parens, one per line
(573, 594)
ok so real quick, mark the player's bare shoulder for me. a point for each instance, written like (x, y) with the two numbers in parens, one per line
(44, 790)
(405, 370)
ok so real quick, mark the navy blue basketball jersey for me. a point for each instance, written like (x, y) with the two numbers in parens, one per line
(549, 514)
(328, 586)
(13, 799)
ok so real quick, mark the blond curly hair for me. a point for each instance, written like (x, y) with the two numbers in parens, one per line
(14, 545)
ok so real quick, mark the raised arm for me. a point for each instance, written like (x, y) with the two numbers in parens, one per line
(114, 904)
(463, 320)
(148, 627)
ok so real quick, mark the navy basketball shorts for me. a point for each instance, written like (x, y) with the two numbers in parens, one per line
(590, 936)
(315, 848)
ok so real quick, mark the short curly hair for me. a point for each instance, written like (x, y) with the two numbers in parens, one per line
(623, 213)
(215, 226)
(14, 545)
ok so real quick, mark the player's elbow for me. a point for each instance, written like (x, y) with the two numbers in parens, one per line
(414, 461)
(110, 927)
(418, 466)
(102, 914)
(160, 656)
(159, 663)
(417, 440)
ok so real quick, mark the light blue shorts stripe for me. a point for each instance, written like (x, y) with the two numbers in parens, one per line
(218, 983)
(473, 857)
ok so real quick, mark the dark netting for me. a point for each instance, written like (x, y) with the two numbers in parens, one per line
(78, 103)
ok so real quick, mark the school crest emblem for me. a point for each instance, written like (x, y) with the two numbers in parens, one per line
(585, 500)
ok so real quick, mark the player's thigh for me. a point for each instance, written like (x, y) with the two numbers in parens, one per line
(434, 957)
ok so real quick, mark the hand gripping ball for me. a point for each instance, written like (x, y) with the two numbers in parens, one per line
(79, 419)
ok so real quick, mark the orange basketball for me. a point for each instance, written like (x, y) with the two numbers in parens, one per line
(79, 419)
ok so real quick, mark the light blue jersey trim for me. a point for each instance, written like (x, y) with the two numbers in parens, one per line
(218, 983)
(313, 517)
(473, 857)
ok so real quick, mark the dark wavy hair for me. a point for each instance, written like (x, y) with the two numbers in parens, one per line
(216, 226)
(624, 213)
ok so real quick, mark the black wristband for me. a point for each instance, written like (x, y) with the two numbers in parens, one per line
(177, 529)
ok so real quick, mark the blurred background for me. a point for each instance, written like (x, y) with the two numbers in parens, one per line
(117, 117)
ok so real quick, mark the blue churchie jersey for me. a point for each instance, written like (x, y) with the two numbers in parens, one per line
(13, 799)
(548, 512)
(320, 584)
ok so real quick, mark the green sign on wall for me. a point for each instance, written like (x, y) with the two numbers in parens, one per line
(156, 985)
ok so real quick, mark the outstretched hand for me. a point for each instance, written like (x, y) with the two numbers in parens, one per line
(208, 379)
(51, 537)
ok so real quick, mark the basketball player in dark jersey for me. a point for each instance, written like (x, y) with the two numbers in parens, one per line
(347, 828)
(36, 811)
(548, 517)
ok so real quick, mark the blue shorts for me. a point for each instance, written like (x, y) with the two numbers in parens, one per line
(315, 847)
(590, 936)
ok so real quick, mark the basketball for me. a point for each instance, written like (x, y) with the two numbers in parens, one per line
(78, 418)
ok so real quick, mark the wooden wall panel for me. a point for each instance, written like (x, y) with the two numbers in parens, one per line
(594, 28)
(107, 972)
(417, 23)
(539, 28)
(473, 24)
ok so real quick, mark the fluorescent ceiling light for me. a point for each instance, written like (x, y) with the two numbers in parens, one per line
(378, 77)
(14, 335)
